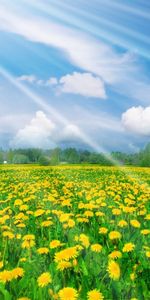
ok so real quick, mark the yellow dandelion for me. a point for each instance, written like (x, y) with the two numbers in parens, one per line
(55, 244)
(116, 211)
(39, 212)
(115, 254)
(71, 223)
(68, 293)
(95, 295)
(43, 250)
(23, 298)
(46, 223)
(44, 279)
(148, 254)
(113, 235)
(8, 234)
(128, 247)
(103, 230)
(28, 244)
(17, 272)
(145, 231)
(96, 248)
(99, 214)
(113, 270)
(66, 254)
(18, 202)
(122, 223)
(62, 265)
(132, 276)
(84, 239)
(28, 237)
(23, 259)
(135, 223)
(5, 276)
(82, 220)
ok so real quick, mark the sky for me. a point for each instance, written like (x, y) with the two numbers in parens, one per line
(75, 73)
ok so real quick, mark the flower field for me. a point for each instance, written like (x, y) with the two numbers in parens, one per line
(73, 232)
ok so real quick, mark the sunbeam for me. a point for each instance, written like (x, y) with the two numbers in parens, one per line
(80, 133)
(99, 26)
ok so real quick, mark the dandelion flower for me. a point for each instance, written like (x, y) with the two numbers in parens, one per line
(68, 293)
(135, 223)
(42, 250)
(122, 223)
(95, 295)
(62, 265)
(84, 239)
(113, 270)
(145, 231)
(44, 279)
(17, 272)
(5, 276)
(54, 244)
(132, 276)
(23, 298)
(96, 248)
(128, 247)
(103, 230)
(148, 254)
(113, 235)
(39, 212)
(115, 254)
(66, 254)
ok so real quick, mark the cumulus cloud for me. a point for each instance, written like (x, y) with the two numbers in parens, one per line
(42, 132)
(137, 120)
(84, 84)
(37, 133)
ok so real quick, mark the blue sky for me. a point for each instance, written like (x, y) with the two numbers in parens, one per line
(75, 73)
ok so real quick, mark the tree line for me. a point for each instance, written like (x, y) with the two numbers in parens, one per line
(73, 156)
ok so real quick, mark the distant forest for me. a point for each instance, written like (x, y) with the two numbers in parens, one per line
(73, 156)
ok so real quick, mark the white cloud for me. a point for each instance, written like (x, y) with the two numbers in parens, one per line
(11, 122)
(32, 79)
(137, 120)
(42, 132)
(71, 131)
(116, 69)
(52, 81)
(84, 84)
(28, 78)
(37, 133)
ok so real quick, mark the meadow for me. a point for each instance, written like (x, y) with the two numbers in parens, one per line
(73, 232)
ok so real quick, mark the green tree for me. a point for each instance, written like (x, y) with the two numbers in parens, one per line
(43, 161)
(71, 156)
(55, 156)
(1, 157)
(145, 156)
(20, 159)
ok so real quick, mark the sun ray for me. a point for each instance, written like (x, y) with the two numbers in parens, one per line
(99, 26)
(48, 108)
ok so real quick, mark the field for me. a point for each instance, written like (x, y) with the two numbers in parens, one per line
(73, 232)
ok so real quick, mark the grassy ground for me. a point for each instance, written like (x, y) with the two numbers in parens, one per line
(74, 232)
